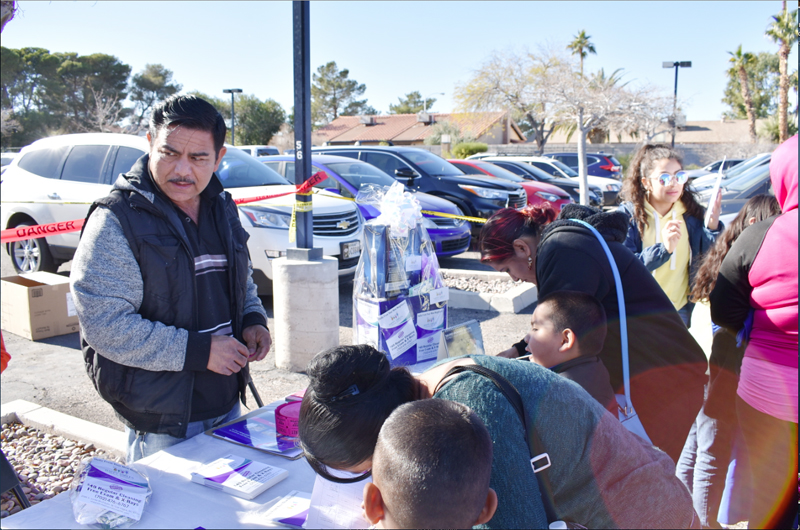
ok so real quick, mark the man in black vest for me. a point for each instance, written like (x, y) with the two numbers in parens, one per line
(162, 284)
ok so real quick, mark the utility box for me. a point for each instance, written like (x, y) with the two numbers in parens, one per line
(38, 305)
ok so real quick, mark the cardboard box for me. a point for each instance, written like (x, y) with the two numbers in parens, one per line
(38, 305)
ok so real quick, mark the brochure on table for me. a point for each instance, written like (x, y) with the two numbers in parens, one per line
(257, 430)
(336, 506)
(399, 296)
(239, 476)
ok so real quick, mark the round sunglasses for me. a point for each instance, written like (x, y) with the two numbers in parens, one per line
(665, 178)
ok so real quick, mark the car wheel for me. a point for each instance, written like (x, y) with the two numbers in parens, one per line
(31, 255)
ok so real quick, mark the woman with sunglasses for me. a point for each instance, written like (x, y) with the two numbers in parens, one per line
(667, 231)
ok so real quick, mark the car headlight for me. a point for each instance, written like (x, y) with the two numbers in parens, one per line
(612, 187)
(551, 197)
(486, 193)
(267, 218)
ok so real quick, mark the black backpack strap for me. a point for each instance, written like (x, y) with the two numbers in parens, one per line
(540, 460)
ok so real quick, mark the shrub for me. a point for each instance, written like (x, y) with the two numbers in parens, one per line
(466, 149)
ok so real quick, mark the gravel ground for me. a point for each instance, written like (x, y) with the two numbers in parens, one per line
(44, 463)
(479, 286)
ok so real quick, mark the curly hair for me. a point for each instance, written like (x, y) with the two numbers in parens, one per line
(498, 234)
(641, 166)
(759, 207)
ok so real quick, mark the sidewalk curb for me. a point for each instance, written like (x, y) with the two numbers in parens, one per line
(58, 423)
(512, 301)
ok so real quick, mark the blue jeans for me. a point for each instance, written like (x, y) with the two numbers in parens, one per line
(703, 465)
(142, 444)
(686, 314)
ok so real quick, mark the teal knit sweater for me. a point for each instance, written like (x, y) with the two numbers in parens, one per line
(602, 476)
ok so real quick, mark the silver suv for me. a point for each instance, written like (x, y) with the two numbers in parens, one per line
(56, 179)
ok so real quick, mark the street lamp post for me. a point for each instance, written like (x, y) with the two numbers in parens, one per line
(676, 65)
(425, 100)
(232, 91)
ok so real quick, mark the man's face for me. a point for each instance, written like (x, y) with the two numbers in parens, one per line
(182, 161)
(544, 341)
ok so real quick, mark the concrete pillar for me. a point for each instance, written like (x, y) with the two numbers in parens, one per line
(306, 304)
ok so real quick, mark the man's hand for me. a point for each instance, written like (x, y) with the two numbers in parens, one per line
(671, 234)
(228, 355)
(258, 341)
(510, 353)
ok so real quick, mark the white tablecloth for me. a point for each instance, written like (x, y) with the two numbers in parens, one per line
(177, 502)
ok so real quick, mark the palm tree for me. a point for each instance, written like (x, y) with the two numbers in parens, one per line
(741, 60)
(783, 32)
(582, 47)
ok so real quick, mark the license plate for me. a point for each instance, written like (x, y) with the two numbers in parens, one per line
(351, 249)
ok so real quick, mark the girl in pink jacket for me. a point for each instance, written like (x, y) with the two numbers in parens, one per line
(756, 295)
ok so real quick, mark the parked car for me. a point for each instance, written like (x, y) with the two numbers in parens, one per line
(738, 190)
(610, 187)
(597, 164)
(538, 192)
(424, 171)
(56, 179)
(713, 167)
(346, 176)
(259, 150)
(528, 172)
(707, 181)
(5, 160)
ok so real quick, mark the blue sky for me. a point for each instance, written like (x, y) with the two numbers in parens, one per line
(398, 47)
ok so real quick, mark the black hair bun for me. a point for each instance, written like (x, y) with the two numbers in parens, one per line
(333, 371)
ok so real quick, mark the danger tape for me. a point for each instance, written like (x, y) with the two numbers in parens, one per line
(22, 233)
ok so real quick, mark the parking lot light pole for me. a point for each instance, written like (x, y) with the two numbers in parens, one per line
(232, 91)
(425, 101)
(676, 65)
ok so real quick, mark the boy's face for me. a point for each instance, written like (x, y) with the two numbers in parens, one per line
(545, 343)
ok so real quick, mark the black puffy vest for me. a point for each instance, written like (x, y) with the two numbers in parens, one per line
(160, 402)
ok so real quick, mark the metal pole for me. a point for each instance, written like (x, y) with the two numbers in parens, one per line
(233, 122)
(232, 91)
(302, 122)
(675, 104)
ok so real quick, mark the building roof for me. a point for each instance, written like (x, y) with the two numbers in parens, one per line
(695, 132)
(405, 128)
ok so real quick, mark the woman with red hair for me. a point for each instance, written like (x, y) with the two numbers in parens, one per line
(667, 365)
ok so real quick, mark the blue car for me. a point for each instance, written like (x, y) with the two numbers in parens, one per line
(597, 164)
(347, 175)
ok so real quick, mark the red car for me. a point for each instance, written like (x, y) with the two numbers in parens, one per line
(538, 192)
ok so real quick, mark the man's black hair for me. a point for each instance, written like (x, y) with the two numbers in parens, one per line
(191, 112)
(432, 463)
(583, 314)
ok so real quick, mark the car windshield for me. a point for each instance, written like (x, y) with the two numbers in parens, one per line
(739, 169)
(498, 171)
(360, 173)
(749, 179)
(565, 168)
(535, 171)
(432, 164)
(240, 170)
